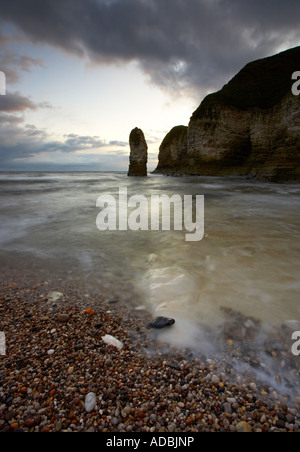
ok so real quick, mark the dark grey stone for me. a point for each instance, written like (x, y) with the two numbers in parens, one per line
(162, 322)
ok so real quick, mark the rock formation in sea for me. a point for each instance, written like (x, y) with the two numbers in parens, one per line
(138, 154)
(249, 128)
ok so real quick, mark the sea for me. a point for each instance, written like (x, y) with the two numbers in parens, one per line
(247, 262)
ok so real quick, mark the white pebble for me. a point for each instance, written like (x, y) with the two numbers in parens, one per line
(215, 379)
(110, 340)
(90, 402)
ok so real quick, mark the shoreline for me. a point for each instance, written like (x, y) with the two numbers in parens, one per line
(56, 356)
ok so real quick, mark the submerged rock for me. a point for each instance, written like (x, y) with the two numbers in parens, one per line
(291, 325)
(138, 154)
(162, 322)
(54, 296)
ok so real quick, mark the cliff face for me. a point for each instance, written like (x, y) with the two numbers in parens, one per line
(173, 151)
(251, 127)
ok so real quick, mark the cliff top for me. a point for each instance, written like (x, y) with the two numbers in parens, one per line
(261, 84)
(176, 133)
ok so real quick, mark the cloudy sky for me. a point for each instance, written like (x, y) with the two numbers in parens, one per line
(81, 74)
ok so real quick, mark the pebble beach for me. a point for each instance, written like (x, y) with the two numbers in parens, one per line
(60, 374)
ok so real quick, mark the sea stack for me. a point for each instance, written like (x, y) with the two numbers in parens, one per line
(138, 154)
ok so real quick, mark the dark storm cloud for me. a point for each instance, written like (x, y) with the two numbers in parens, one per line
(180, 44)
(15, 102)
(12, 63)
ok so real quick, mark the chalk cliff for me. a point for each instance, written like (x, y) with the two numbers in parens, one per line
(173, 151)
(250, 128)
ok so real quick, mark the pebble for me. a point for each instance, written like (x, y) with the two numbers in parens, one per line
(29, 423)
(145, 386)
(113, 301)
(90, 402)
(54, 296)
(253, 386)
(227, 408)
(63, 318)
(243, 427)
(58, 426)
(215, 379)
(110, 340)
(162, 322)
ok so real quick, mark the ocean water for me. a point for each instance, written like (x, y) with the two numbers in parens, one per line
(248, 260)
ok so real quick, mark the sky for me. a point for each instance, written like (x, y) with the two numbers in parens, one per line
(81, 74)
